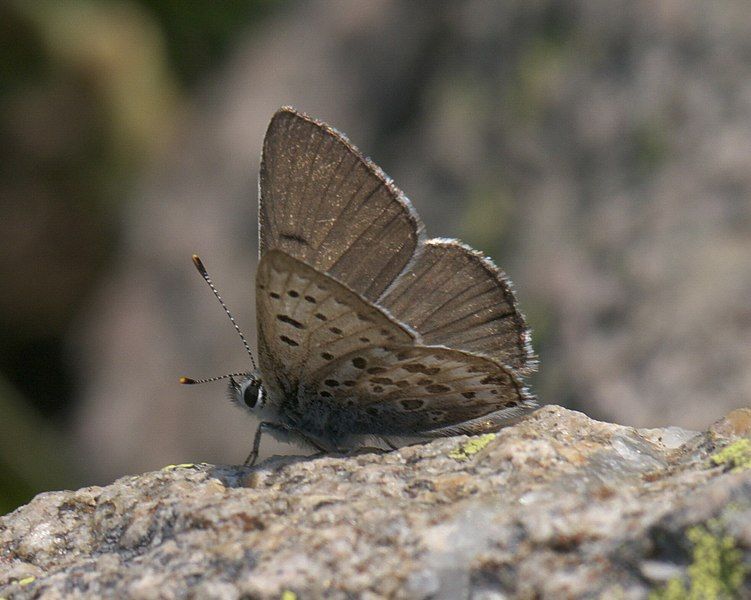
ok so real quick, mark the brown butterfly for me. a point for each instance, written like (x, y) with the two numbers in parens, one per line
(366, 329)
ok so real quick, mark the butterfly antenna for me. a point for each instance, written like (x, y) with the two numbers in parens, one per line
(202, 270)
(191, 381)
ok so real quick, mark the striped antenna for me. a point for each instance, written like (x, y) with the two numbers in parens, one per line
(204, 273)
(190, 381)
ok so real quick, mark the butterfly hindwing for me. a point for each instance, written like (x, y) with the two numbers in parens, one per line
(411, 389)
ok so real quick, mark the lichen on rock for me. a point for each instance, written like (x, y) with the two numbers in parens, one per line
(735, 456)
(716, 571)
(471, 447)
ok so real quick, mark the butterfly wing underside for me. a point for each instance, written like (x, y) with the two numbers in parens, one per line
(324, 203)
(306, 320)
(418, 389)
(454, 296)
(321, 344)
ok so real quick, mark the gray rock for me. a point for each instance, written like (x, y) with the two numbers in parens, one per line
(557, 506)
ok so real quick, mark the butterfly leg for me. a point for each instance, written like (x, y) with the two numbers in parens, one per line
(262, 426)
(281, 433)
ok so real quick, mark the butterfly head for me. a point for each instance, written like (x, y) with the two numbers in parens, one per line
(247, 392)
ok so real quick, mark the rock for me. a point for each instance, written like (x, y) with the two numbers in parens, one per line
(556, 506)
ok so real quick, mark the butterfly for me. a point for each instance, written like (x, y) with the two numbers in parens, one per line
(367, 330)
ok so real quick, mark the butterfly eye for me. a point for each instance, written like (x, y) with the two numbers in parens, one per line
(250, 394)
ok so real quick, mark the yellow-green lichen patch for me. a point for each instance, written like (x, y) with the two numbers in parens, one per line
(716, 571)
(471, 447)
(288, 595)
(26, 580)
(736, 456)
(180, 466)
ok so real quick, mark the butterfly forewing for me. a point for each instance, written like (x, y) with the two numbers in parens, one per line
(306, 320)
(323, 203)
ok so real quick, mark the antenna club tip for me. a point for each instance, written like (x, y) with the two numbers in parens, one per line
(186, 380)
(198, 263)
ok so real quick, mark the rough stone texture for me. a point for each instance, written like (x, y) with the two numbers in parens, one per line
(556, 506)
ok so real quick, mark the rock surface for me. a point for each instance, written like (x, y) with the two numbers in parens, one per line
(557, 506)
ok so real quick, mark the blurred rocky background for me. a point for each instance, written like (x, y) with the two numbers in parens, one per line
(598, 151)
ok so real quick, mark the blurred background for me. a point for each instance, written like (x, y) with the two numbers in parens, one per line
(600, 152)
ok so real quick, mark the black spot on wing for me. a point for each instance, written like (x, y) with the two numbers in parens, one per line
(412, 404)
(291, 237)
(290, 321)
(437, 388)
